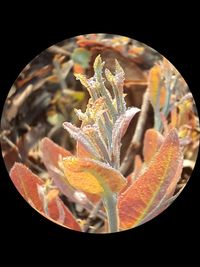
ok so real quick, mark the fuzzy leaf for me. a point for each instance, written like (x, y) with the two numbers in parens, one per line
(119, 130)
(59, 213)
(147, 190)
(89, 84)
(98, 69)
(117, 83)
(167, 199)
(82, 152)
(51, 154)
(28, 184)
(79, 136)
(154, 86)
(152, 142)
(137, 167)
(92, 176)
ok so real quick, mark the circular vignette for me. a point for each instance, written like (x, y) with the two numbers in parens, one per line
(100, 133)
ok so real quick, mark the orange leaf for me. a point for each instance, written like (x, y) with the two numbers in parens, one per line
(152, 142)
(174, 117)
(147, 191)
(92, 176)
(137, 166)
(154, 85)
(168, 197)
(163, 94)
(27, 183)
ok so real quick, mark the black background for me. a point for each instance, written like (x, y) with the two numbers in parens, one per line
(26, 32)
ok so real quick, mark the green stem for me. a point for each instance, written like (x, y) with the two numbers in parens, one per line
(110, 203)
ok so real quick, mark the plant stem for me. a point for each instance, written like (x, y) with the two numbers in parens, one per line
(110, 203)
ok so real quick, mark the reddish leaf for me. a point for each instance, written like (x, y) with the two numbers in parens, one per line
(81, 137)
(61, 214)
(147, 190)
(137, 167)
(152, 142)
(27, 183)
(168, 197)
(154, 85)
(51, 154)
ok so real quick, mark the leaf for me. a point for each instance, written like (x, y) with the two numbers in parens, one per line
(92, 176)
(79, 136)
(152, 142)
(137, 167)
(82, 152)
(61, 214)
(163, 95)
(98, 69)
(174, 117)
(118, 132)
(154, 86)
(81, 56)
(167, 199)
(117, 83)
(28, 184)
(51, 154)
(147, 190)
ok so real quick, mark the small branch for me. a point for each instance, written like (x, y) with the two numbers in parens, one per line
(92, 215)
(136, 140)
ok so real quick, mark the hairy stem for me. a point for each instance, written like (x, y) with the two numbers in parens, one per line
(110, 203)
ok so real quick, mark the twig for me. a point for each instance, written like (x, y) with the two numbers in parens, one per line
(93, 215)
(136, 140)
